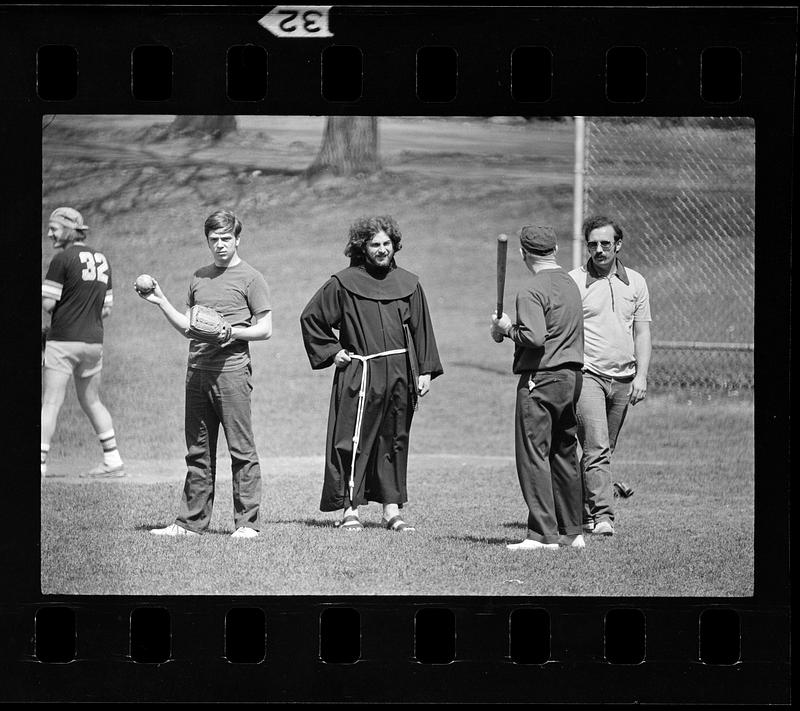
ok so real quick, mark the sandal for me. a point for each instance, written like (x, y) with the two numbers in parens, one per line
(351, 523)
(397, 524)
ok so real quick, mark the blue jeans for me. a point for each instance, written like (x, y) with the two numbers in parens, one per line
(212, 399)
(601, 411)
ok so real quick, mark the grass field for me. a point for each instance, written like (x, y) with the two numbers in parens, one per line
(453, 186)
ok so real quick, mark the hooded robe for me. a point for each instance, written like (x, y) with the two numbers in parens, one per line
(363, 309)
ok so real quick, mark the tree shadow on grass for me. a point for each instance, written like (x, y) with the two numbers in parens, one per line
(154, 178)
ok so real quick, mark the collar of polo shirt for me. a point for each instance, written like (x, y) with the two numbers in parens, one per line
(592, 275)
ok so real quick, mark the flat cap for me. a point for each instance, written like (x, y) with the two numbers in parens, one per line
(537, 238)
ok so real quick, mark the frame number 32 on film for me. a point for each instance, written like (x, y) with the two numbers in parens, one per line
(300, 21)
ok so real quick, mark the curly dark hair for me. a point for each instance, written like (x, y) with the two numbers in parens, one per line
(596, 221)
(364, 229)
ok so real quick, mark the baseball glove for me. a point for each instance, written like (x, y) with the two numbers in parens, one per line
(207, 325)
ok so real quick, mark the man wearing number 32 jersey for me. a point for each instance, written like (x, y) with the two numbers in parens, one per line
(77, 294)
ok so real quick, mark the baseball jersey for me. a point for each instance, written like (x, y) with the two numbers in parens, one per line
(79, 280)
(548, 332)
(611, 305)
(237, 293)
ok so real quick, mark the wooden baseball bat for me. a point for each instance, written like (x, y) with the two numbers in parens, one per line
(502, 251)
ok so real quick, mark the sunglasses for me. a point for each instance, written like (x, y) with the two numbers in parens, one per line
(604, 245)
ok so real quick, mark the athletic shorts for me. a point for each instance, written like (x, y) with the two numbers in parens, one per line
(74, 357)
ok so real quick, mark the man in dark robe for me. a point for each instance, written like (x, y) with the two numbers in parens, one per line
(373, 317)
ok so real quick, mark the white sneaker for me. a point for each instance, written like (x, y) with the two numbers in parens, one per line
(173, 530)
(576, 541)
(529, 544)
(603, 528)
(105, 471)
(244, 532)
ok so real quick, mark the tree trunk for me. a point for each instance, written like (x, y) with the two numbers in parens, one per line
(214, 127)
(349, 147)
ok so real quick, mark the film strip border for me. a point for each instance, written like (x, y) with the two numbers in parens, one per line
(436, 74)
(422, 651)
(383, 60)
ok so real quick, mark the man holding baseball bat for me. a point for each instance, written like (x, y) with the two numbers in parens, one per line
(548, 357)
(616, 312)
(233, 301)
(371, 322)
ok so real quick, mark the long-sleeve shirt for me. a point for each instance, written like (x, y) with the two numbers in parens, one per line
(548, 331)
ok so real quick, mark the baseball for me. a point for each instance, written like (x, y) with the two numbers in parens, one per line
(144, 284)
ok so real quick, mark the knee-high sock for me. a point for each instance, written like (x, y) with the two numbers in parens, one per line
(108, 441)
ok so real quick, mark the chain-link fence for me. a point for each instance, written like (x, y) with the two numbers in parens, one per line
(683, 191)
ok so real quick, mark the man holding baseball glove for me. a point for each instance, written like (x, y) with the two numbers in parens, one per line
(227, 306)
(548, 356)
(616, 318)
(371, 322)
(77, 294)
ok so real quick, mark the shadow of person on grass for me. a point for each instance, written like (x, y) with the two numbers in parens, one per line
(325, 523)
(483, 540)
(149, 527)
(310, 522)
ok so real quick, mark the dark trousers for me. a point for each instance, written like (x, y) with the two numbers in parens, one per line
(214, 399)
(546, 452)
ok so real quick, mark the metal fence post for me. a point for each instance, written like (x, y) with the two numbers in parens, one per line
(577, 203)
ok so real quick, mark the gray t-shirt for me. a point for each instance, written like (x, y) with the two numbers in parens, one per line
(237, 293)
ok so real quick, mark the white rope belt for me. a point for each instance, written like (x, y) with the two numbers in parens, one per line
(362, 391)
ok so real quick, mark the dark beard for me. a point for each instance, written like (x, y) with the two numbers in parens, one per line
(373, 266)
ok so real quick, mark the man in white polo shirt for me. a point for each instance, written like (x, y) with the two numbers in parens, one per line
(616, 329)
